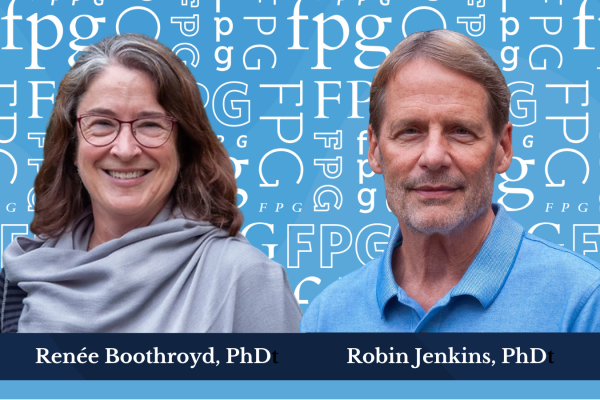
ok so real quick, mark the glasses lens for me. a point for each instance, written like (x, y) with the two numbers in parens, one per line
(152, 132)
(99, 130)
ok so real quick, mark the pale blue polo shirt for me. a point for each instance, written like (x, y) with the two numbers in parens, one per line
(516, 283)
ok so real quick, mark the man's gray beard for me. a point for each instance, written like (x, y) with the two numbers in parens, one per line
(477, 197)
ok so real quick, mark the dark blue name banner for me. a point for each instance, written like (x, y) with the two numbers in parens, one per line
(351, 356)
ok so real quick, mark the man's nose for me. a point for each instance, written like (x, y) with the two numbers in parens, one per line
(125, 146)
(435, 154)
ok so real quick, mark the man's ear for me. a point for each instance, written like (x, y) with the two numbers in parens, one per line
(374, 154)
(504, 151)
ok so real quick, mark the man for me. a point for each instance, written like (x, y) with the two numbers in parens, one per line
(439, 132)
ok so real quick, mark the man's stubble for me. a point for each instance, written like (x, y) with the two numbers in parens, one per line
(476, 200)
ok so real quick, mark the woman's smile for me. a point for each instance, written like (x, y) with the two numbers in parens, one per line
(128, 183)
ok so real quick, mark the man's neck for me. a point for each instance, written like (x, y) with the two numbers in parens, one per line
(427, 267)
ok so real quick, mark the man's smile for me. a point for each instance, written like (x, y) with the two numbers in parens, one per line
(430, 191)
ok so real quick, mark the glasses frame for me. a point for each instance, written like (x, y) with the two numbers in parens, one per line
(121, 122)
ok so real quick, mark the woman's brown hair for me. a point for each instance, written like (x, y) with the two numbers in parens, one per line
(206, 188)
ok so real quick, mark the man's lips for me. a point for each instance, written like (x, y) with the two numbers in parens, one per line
(435, 191)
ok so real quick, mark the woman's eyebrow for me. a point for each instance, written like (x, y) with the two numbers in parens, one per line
(100, 110)
(110, 113)
(151, 114)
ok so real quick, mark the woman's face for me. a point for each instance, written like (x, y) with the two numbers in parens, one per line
(124, 179)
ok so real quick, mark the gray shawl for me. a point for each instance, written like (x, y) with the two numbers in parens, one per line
(175, 275)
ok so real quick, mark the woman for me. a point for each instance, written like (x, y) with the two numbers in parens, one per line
(135, 219)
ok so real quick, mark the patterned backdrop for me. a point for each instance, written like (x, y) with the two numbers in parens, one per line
(286, 87)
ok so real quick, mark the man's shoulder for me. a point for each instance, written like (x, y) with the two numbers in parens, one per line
(556, 259)
(349, 293)
(355, 283)
(550, 280)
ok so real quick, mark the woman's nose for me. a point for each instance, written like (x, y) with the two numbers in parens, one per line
(125, 145)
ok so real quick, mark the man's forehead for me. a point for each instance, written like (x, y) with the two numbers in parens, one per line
(424, 88)
(425, 74)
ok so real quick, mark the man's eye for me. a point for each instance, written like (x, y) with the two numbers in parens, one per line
(409, 131)
(462, 131)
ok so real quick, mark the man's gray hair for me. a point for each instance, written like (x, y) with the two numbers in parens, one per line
(454, 51)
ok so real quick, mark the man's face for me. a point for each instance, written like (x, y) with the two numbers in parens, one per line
(436, 149)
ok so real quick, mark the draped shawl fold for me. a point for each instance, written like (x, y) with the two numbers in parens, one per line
(175, 275)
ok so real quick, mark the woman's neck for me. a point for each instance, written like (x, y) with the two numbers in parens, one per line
(108, 226)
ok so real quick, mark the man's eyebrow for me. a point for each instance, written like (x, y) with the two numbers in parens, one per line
(472, 125)
(404, 122)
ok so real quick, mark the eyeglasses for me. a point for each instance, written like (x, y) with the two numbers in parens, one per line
(151, 132)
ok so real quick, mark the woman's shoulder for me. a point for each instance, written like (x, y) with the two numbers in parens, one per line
(255, 289)
(237, 258)
(11, 304)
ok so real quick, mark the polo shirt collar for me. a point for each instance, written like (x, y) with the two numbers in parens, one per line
(486, 274)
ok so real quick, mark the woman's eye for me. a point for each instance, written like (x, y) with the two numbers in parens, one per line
(148, 124)
(102, 122)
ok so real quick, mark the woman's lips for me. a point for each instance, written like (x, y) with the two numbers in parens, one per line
(127, 178)
(127, 174)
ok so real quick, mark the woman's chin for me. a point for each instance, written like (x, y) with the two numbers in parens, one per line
(126, 208)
